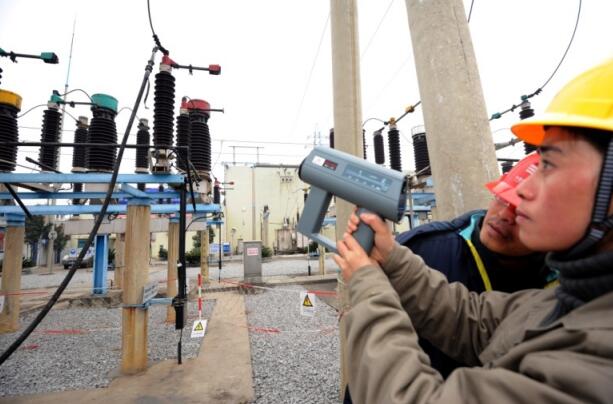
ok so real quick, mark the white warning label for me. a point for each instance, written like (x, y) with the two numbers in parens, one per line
(307, 304)
(199, 328)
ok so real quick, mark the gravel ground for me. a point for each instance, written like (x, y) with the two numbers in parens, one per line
(295, 358)
(81, 348)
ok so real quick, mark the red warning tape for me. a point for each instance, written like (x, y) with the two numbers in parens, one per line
(264, 330)
(23, 292)
(323, 292)
(63, 332)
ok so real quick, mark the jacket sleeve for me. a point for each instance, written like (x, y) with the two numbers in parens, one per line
(457, 321)
(386, 364)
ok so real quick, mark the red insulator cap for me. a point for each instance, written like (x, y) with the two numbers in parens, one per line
(184, 103)
(200, 105)
(214, 69)
(166, 60)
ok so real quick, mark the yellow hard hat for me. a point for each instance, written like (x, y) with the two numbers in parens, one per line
(587, 101)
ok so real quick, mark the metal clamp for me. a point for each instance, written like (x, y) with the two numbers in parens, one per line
(145, 305)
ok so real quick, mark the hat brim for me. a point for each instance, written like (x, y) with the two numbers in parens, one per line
(504, 191)
(532, 130)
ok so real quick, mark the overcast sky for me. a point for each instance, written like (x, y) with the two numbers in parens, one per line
(276, 81)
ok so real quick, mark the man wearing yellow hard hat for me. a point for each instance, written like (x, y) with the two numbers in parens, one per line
(533, 346)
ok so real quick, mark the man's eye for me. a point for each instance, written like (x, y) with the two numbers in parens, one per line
(545, 164)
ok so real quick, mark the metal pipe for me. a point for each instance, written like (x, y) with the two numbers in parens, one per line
(59, 144)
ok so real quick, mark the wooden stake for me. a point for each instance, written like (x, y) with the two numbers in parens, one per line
(173, 258)
(134, 323)
(204, 255)
(11, 277)
(120, 259)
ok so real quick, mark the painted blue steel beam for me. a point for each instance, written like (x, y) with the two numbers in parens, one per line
(93, 209)
(419, 208)
(89, 178)
(134, 191)
(101, 264)
(423, 196)
(87, 195)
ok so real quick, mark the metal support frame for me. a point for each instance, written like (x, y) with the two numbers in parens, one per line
(87, 195)
(91, 178)
(127, 192)
(93, 209)
(101, 262)
(124, 180)
(158, 300)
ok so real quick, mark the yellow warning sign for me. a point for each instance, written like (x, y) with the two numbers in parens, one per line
(307, 301)
(199, 328)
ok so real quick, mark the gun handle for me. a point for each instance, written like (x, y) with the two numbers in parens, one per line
(364, 235)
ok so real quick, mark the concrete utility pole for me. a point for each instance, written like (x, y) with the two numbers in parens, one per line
(347, 119)
(461, 148)
(11, 273)
(173, 259)
(134, 321)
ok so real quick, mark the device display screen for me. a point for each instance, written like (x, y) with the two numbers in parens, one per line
(367, 178)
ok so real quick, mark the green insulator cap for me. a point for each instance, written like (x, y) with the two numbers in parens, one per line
(49, 57)
(105, 101)
(55, 98)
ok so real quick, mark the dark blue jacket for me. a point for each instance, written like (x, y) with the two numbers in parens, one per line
(442, 248)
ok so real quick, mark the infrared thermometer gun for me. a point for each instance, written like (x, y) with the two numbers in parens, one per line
(372, 188)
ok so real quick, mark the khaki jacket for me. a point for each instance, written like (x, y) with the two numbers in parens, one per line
(515, 359)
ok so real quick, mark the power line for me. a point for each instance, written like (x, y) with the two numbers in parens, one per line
(572, 37)
(497, 115)
(261, 142)
(261, 154)
(470, 12)
(376, 30)
(389, 82)
(308, 83)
